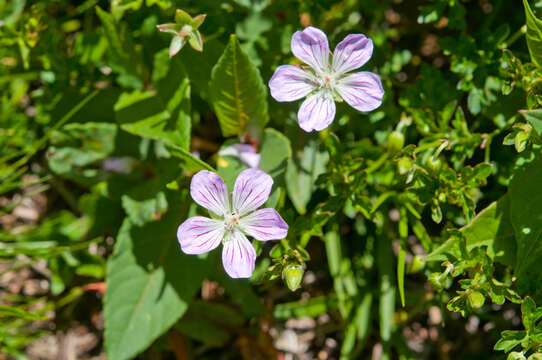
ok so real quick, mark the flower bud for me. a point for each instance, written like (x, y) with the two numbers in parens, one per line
(404, 165)
(476, 300)
(417, 264)
(292, 275)
(396, 141)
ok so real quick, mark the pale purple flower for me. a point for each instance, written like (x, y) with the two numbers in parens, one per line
(230, 225)
(326, 82)
(244, 152)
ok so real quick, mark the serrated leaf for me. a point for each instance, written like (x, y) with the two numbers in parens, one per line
(149, 282)
(238, 93)
(163, 114)
(534, 34)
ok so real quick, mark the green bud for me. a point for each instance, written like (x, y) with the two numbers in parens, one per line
(417, 264)
(292, 275)
(396, 141)
(404, 165)
(476, 299)
(435, 280)
(433, 165)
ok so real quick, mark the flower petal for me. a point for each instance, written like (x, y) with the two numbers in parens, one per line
(251, 190)
(264, 224)
(244, 152)
(316, 112)
(238, 255)
(352, 53)
(290, 83)
(311, 47)
(208, 190)
(363, 90)
(198, 234)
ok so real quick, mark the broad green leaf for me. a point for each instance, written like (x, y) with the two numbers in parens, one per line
(144, 211)
(526, 216)
(534, 117)
(210, 323)
(163, 114)
(190, 162)
(492, 228)
(302, 173)
(534, 34)
(77, 145)
(275, 150)
(238, 93)
(149, 282)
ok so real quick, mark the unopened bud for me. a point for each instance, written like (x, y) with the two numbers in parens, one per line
(476, 300)
(292, 275)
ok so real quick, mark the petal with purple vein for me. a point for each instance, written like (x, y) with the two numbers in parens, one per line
(290, 83)
(311, 47)
(264, 224)
(363, 90)
(208, 190)
(316, 112)
(198, 234)
(238, 255)
(251, 190)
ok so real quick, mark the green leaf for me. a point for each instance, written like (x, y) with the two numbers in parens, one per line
(163, 114)
(509, 340)
(238, 93)
(534, 34)
(123, 58)
(534, 117)
(144, 211)
(526, 217)
(492, 228)
(149, 282)
(301, 175)
(78, 145)
(387, 290)
(528, 309)
(275, 152)
(312, 307)
(401, 274)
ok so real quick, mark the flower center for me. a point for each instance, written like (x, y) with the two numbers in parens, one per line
(327, 81)
(231, 222)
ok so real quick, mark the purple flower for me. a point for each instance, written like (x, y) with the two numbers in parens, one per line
(327, 82)
(244, 152)
(230, 225)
